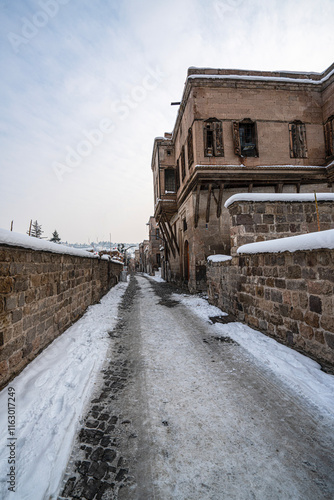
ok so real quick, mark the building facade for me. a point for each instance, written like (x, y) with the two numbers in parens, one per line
(155, 242)
(237, 131)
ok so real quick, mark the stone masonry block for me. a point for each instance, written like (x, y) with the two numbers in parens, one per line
(315, 304)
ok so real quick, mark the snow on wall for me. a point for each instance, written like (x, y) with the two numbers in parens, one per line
(311, 241)
(23, 240)
(264, 78)
(286, 197)
(219, 258)
(263, 166)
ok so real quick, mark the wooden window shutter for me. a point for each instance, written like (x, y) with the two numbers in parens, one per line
(329, 145)
(302, 140)
(183, 163)
(218, 139)
(190, 147)
(236, 138)
(327, 139)
(177, 175)
(297, 133)
(208, 139)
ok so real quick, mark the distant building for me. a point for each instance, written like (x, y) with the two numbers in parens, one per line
(237, 131)
(137, 259)
(143, 256)
(155, 240)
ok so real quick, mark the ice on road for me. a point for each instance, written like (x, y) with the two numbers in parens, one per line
(215, 423)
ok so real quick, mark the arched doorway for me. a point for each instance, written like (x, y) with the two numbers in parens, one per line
(186, 261)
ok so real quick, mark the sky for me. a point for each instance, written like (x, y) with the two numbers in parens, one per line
(86, 86)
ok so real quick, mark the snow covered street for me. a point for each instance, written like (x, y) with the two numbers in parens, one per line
(196, 416)
(183, 408)
(51, 394)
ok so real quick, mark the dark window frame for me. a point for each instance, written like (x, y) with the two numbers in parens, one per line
(245, 138)
(170, 180)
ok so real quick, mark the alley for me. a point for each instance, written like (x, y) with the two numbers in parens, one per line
(183, 414)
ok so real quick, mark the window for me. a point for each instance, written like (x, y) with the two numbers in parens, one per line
(329, 136)
(213, 137)
(158, 260)
(157, 236)
(245, 138)
(297, 132)
(183, 163)
(169, 180)
(185, 226)
(190, 147)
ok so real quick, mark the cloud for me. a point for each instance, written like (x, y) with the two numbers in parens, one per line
(93, 61)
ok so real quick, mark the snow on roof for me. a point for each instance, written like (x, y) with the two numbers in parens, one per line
(310, 241)
(25, 241)
(264, 78)
(219, 258)
(286, 197)
(263, 166)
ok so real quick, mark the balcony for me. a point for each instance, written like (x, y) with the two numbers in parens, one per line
(165, 204)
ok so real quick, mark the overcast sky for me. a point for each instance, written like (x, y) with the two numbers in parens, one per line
(86, 86)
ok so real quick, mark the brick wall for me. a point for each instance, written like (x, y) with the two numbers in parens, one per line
(286, 295)
(41, 295)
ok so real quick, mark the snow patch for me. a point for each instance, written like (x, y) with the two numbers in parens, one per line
(299, 372)
(310, 241)
(264, 78)
(287, 197)
(219, 258)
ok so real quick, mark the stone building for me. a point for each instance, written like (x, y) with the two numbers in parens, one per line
(237, 131)
(154, 245)
(143, 256)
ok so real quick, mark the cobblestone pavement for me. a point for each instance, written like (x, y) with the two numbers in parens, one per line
(181, 414)
(97, 468)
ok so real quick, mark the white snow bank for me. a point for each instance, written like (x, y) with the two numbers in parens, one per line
(25, 241)
(156, 277)
(219, 258)
(287, 197)
(51, 394)
(310, 241)
(297, 371)
(199, 305)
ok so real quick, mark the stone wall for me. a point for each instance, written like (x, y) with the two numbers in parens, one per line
(259, 221)
(286, 295)
(41, 295)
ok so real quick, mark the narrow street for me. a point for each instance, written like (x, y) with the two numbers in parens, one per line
(182, 414)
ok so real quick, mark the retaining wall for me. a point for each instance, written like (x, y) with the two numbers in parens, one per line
(286, 295)
(41, 295)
